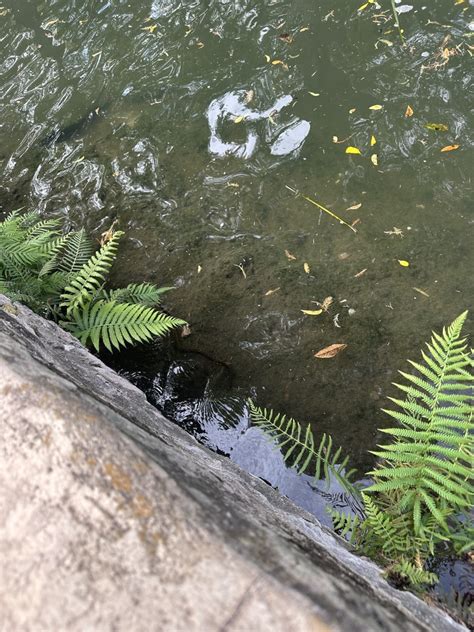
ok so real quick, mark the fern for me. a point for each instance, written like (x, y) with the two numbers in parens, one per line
(116, 324)
(431, 459)
(411, 574)
(143, 293)
(299, 447)
(91, 276)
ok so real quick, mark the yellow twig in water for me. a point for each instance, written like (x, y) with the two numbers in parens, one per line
(326, 210)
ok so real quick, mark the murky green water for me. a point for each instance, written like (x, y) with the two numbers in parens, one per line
(130, 111)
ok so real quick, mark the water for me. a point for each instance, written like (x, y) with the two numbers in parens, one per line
(200, 125)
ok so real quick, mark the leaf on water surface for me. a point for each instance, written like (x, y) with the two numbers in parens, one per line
(239, 119)
(270, 292)
(331, 351)
(151, 29)
(335, 139)
(354, 207)
(249, 95)
(437, 127)
(312, 312)
(375, 107)
(306, 267)
(286, 37)
(385, 41)
(267, 58)
(374, 160)
(305, 28)
(279, 62)
(417, 289)
(326, 304)
(373, 140)
(409, 111)
(352, 110)
(403, 263)
(365, 5)
(289, 256)
(450, 148)
(359, 274)
(353, 150)
(314, 94)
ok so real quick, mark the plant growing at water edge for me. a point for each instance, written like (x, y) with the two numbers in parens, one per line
(60, 276)
(422, 487)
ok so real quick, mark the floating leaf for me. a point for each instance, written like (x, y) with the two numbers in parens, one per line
(409, 111)
(331, 351)
(335, 139)
(289, 256)
(365, 5)
(267, 58)
(199, 268)
(312, 312)
(374, 159)
(373, 140)
(270, 292)
(314, 94)
(305, 28)
(239, 119)
(437, 127)
(151, 29)
(403, 263)
(354, 207)
(386, 41)
(286, 37)
(326, 304)
(249, 95)
(375, 107)
(352, 110)
(353, 150)
(450, 148)
(306, 267)
(417, 289)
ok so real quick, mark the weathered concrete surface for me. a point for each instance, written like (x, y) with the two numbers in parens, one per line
(99, 531)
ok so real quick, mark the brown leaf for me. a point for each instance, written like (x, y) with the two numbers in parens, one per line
(450, 148)
(331, 351)
(354, 207)
(408, 111)
(289, 256)
(286, 37)
(326, 304)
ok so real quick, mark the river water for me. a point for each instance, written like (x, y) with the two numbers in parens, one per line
(201, 126)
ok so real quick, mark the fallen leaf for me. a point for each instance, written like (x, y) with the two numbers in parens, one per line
(286, 37)
(335, 139)
(312, 312)
(373, 140)
(306, 267)
(403, 263)
(437, 127)
(354, 207)
(417, 289)
(353, 150)
(267, 58)
(199, 268)
(186, 331)
(331, 351)
(450, 148)
(386, 41)
(314, 94)
(278, 62)
(151, 29)
(355, 222)
(289, 256)
(359, 274)
(271, 291)
(352, 110)
(374, 160)
(239, 119)
(326, 304)
(409, 111)
(249, 95)
(375, 107)
(305, 28)
(200, 44)
(343, 255)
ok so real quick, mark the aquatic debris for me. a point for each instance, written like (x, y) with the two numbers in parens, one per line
(404, 263)
(270, 292)
(331, 351)
(409, 111)
(306, 268)
(359, 274)
(375, 107)
(417, 289)
(353, 150)
(374, 159)
(450, 148)
(395, 231)
(437, 127)
(373, 140)
(312, 312)
(323, 208)
(289, 256)
(354, 207)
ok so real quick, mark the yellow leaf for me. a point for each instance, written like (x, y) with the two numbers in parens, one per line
(331, 351)
(373, 140)
(312, 312)
(276, 62)
(352, 110)
(450, 148)
(354, 207)
(314, 94)
(199, 268)
(374, 159)
(375, 107)
(353, 150)
(306, 268)
(437, 127)
(403, 263)
(289, 256)
(267, 58)
(305, 28)
(150, 29)
(239, 119)
(409, 111)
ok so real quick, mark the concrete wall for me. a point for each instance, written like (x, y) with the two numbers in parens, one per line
(113, 518)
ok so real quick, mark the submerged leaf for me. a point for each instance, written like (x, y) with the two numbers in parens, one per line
(331, 351)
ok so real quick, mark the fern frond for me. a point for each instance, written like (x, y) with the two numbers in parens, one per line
(75, 253)
(300, 449)
(143, 293)
(117, 324)
(412, 574)
(88, 280)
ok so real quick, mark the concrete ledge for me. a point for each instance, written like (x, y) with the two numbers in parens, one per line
(113, 518)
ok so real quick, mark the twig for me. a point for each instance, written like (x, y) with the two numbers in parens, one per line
(397, 23)
(326, 210)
